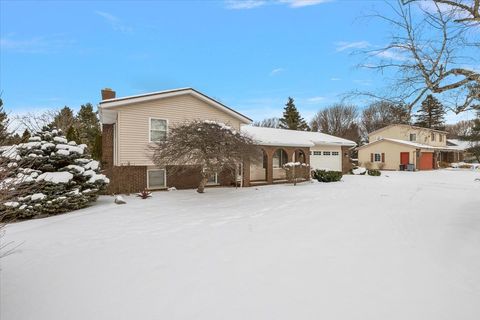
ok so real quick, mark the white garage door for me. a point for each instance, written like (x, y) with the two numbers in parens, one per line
(326, 159)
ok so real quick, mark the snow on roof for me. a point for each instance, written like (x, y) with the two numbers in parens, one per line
(416, 145)
(404, 125)
(459, 143)
(292, 138)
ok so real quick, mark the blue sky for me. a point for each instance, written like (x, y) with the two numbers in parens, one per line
(251, 54)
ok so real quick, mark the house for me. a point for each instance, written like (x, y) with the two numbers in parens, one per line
(399, 145)
(131, 124)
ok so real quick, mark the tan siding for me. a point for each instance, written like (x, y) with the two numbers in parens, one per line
(133, 123)
(403, 133)
(392, 154)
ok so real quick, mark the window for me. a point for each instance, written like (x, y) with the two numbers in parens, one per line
(156, 178)
(377, 157)
(317, 153)
(433, 136)
(326, 153)
(279, 158)
(158, 130)
(413, 137)
(212, 179)
(440, 138)
(335, 153)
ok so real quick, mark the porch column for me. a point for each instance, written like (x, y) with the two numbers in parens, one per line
(269, 152)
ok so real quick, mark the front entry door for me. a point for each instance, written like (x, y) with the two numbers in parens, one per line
(404, 158)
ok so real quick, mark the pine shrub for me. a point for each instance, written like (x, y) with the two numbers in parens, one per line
(327, 176)
(374, 172)
(49, 175)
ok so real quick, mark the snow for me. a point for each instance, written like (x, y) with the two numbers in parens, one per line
(13, 204)
(60, 139)
(93, 165)
(359, 170)
(400, 246)
(37, 196)
(420, 145)
(63, 152)
(56, 177)
(292, 138)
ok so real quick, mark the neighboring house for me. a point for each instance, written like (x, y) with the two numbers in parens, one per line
(399, 144)
(132, 124)
(465, 145)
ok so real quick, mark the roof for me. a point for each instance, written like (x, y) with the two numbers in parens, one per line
(404, 125)
(414, 145)
(122, 101)
(460, 143)
(292, 138)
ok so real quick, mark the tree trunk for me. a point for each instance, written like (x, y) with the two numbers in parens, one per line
(203, 183)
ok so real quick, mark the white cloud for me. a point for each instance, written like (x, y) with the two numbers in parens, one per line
(250, 4)
(392, 54)
(344, 45)
(41, 44)
(303, 3)
(114, 22)
(315, 99)
(276, 71)
(244, 4)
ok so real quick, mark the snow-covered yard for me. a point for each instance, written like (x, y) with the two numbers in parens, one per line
(400, 246)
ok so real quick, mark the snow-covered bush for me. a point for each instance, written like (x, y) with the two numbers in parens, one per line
(358, 171)
(374, 172)
(47, 175)
(296, 171)
(328, 176)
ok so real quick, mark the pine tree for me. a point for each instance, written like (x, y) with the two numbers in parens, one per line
(291, 118)
(431, 114)
(25, 136)
(88, 125)
(72, 134)
(63, 120)
(4, 134)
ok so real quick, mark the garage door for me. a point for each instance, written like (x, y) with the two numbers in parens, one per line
(426, 161)
(329, 160)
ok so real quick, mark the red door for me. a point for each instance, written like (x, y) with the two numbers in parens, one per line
(404, 158)
(426, 161)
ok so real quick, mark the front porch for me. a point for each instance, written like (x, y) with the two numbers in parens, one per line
(269, 168)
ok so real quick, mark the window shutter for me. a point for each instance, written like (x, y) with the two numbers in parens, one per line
(371, 157)
(383, 157)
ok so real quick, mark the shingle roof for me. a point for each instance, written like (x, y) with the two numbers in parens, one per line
(293, 138)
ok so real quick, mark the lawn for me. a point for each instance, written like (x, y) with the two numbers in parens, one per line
(401, 246)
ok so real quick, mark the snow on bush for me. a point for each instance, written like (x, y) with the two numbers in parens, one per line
(49, 175)
(359, 171)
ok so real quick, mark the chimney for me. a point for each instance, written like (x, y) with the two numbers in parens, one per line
(108, 93)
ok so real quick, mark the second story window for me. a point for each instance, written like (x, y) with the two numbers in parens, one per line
(433, 136)
(158, 130)
(440, 138)
(413, 137)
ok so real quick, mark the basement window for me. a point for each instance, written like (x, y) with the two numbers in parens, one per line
(156, 178)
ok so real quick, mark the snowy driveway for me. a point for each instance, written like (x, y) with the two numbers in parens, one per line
(406, 246)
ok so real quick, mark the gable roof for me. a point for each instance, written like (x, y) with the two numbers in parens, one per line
(292, 138)
(412, 144)
(122, 101)
(404, 125)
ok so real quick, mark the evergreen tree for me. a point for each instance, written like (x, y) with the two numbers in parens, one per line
(25, 136)
(63, 120)
(88, 125)
(431, 114)
(72, 134)
(4, 134)
(97, 147)
(291, 118)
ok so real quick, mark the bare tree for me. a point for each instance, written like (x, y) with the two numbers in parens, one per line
(432, 46)
(338, 120)
(380, 114)
(268, 122)
(34, 122)
(460, 129)
(207, 145)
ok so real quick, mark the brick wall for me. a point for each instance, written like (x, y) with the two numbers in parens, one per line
(346, 163)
